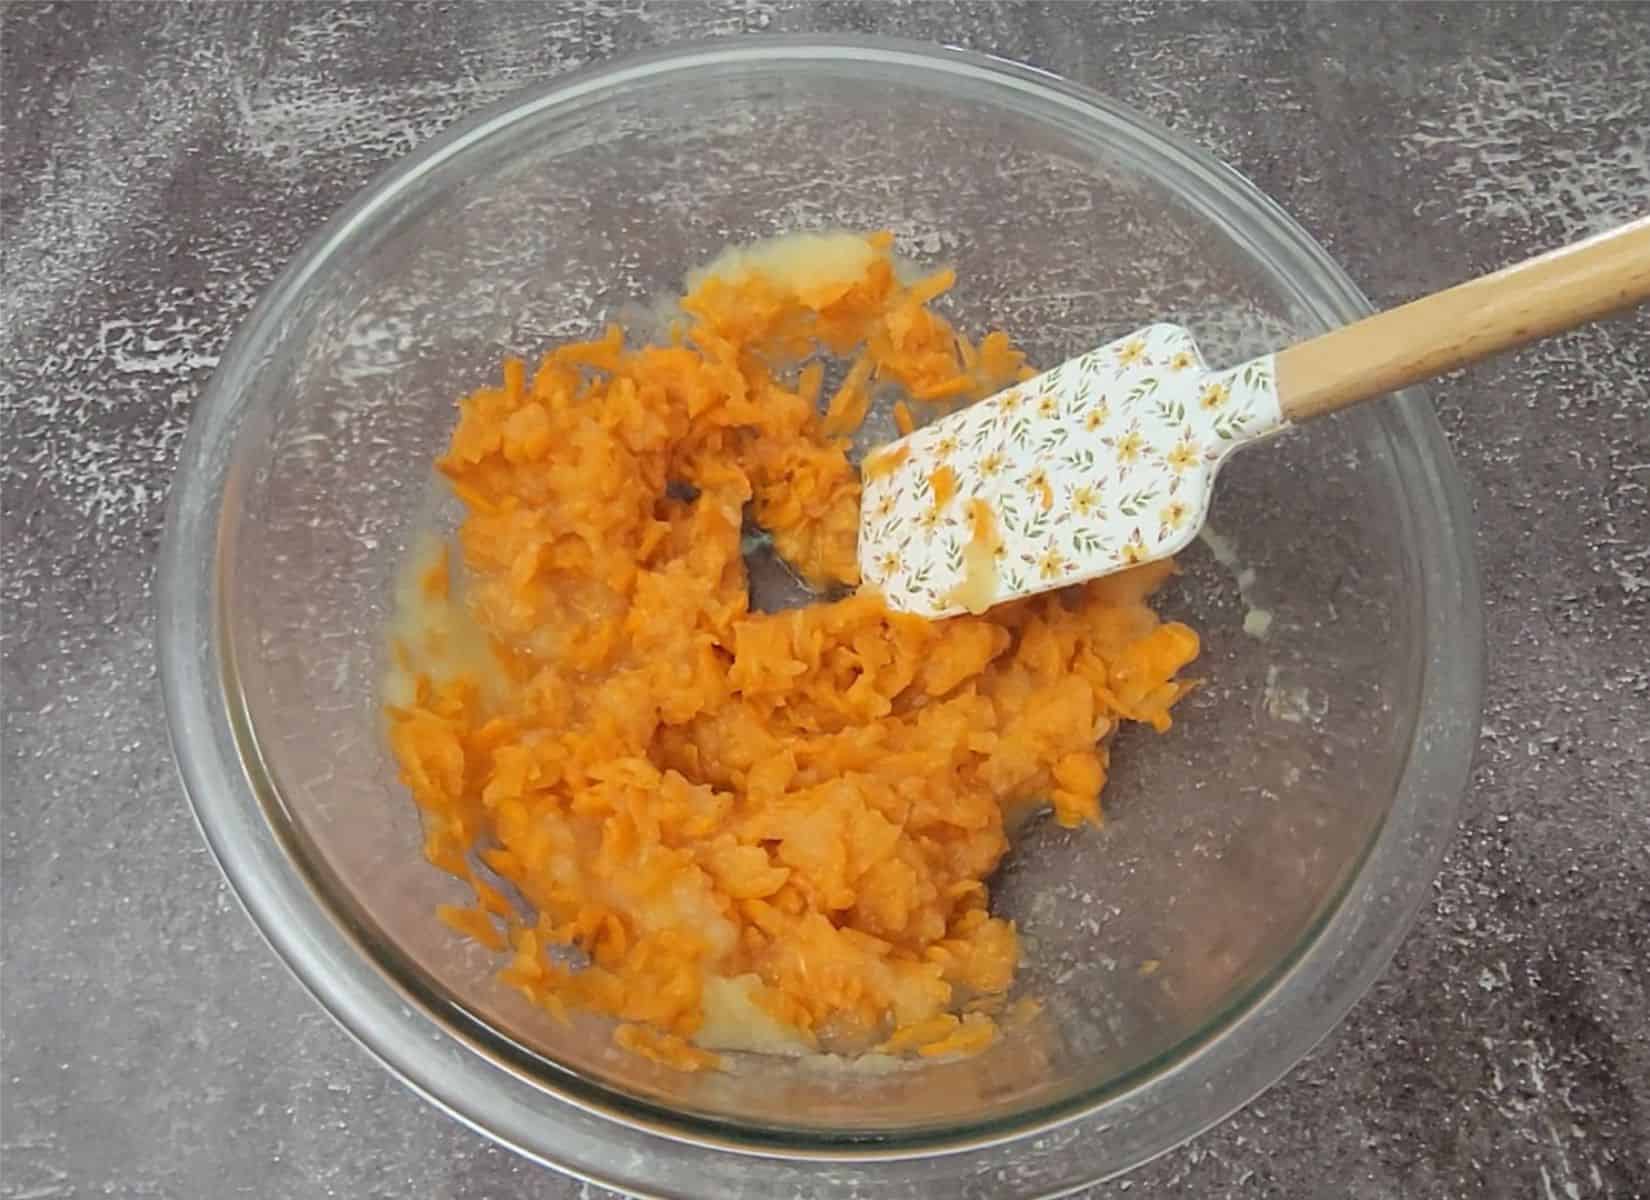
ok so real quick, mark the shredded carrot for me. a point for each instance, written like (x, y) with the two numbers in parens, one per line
(933, 286)
(903, 420)
(944, 389)
(472, 922)
(851, 402)
(664, 1048)
(974, 1033)
(689, 793)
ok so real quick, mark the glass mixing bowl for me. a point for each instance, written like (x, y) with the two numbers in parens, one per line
(1258, 864)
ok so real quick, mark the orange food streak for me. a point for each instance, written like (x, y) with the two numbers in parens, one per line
(944, 482)
(885, 462)
(977, 590)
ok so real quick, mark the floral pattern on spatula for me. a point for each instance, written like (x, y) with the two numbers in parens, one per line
(1103, 462)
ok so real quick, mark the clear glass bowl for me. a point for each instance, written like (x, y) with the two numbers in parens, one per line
(1258, 864)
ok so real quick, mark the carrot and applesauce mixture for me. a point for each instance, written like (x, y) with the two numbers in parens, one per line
(753, 830)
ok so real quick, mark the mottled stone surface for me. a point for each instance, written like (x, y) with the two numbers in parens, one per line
(161, 163)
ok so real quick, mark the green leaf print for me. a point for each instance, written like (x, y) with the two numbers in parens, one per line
(1085, 541)
(1144, 389)
(1132, 504)
(1053, 440)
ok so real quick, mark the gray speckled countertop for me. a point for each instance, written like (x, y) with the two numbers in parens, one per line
(161, 163)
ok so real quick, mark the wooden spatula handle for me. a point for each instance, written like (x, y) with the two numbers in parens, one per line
(1471, 321)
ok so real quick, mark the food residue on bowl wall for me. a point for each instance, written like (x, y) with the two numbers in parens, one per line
(1257, 621)
(764, 831)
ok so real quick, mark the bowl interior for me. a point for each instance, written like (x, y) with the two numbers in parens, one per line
(1227, 841)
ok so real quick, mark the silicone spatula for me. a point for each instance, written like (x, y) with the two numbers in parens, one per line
(1109, 459)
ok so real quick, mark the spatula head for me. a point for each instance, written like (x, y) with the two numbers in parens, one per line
(1102, 463)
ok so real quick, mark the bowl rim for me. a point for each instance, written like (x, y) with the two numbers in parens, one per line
(1284, 1018)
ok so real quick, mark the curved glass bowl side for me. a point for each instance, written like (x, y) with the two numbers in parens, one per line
(470, 1081)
